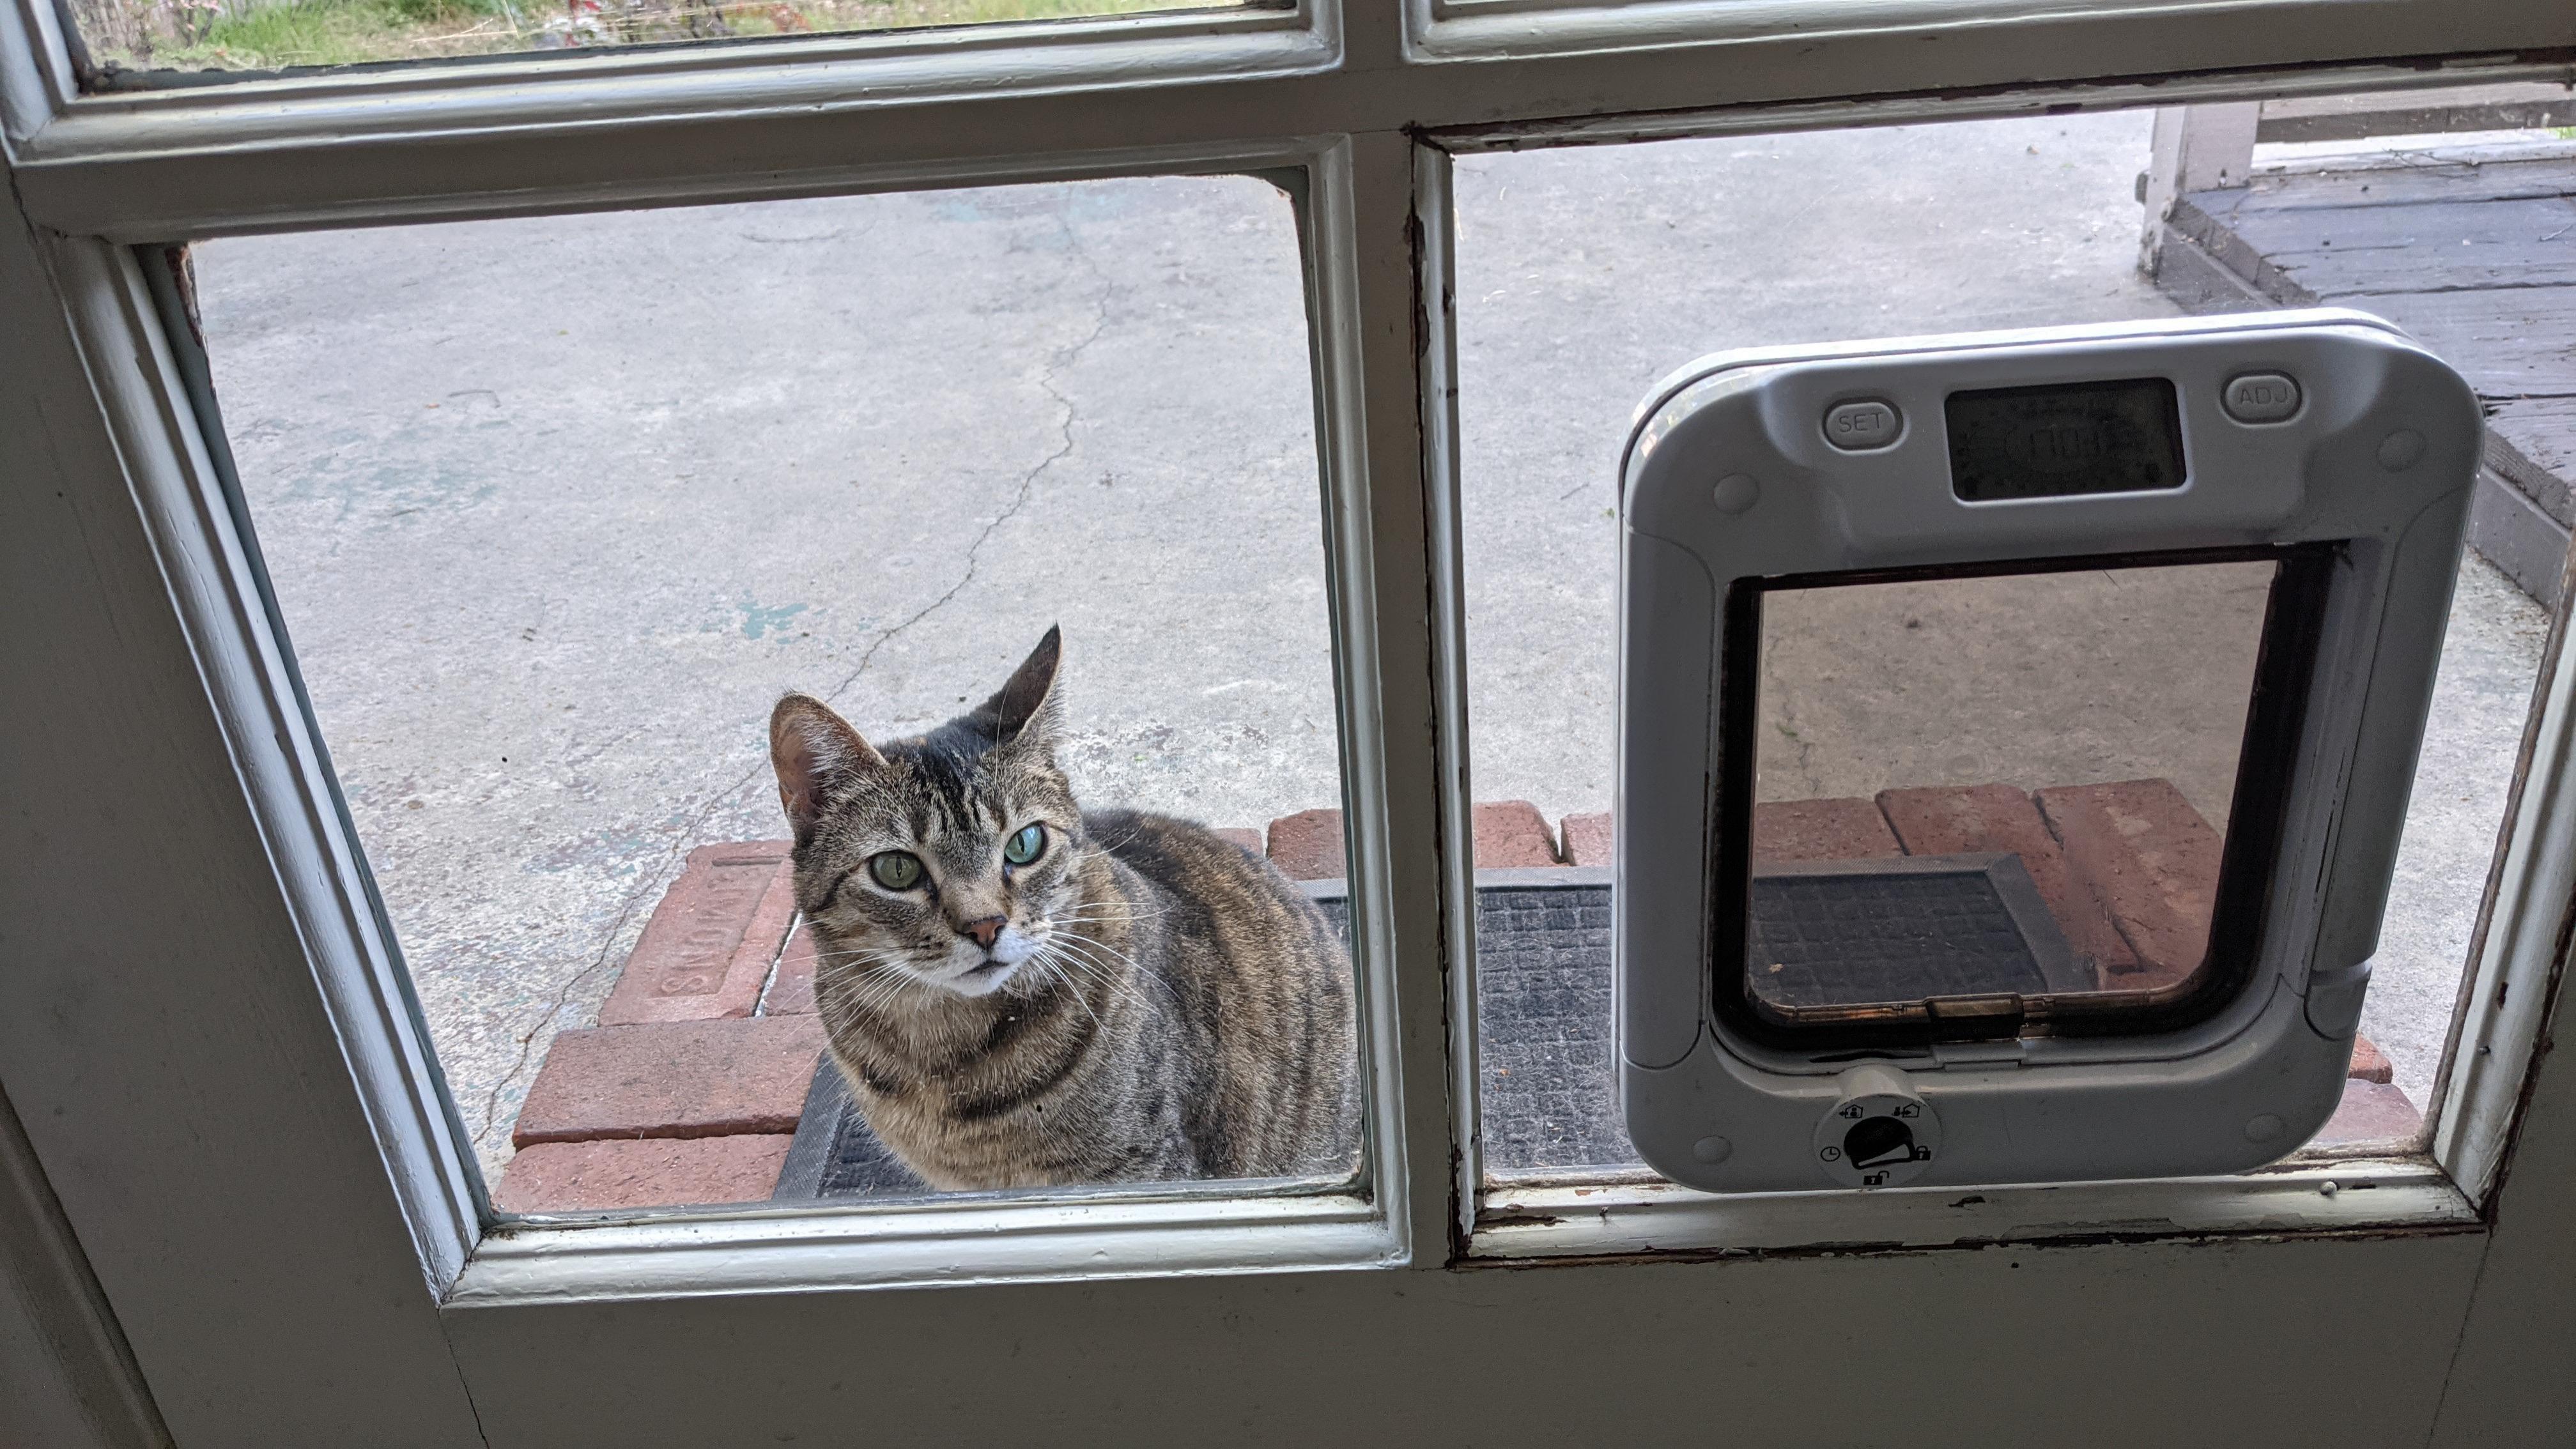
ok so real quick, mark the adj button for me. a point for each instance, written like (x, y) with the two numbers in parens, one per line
(2261, 397)
(1859, 427)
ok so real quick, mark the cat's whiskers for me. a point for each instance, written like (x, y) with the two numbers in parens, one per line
(852, 965)
(886, 969)
(882, 953)
(1114, 981)
(1044, 963)
(1102, 847)
(848, 971)
(1130, 962)
(1059, 953)
(867, 988)
(1085, 913)
(857, 996)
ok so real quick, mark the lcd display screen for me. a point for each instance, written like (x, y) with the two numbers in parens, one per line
(2062, 441)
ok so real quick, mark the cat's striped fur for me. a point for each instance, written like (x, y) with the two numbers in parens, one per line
(1141, 1000)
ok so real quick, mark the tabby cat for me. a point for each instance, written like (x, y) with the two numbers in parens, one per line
(1023, 993)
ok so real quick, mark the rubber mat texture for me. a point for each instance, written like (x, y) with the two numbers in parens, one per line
(1547, 1056)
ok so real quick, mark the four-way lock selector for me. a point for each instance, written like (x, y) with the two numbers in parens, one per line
(1880, 1133)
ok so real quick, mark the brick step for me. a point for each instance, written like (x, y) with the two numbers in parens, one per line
(707, 951)
(717, 1078)
(646, 1173)
(690, 1086)
(2372, 1112)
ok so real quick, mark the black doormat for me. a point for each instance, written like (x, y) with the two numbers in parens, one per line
(1848, 932)
(1546, 1058)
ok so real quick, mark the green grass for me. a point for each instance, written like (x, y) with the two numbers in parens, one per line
(351, 32)
(343, 32)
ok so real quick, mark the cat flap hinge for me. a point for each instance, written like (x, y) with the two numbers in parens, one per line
(1978, 1018)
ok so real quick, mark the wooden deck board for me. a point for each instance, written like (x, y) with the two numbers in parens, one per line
(2368, 250)
(2486, 277)
(2510, 344)
(2434, 183)
(2476, 261)
(2541, 454)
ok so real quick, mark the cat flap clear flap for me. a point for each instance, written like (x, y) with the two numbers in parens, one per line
(2015, 732)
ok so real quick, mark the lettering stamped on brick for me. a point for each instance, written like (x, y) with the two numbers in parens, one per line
(708, 947)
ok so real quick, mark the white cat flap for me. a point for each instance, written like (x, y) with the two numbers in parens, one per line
(2015, 733)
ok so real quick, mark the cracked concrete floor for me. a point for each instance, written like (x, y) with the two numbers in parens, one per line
(2029, 680)
(556, 507)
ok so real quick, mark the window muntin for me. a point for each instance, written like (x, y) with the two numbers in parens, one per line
(870, 447)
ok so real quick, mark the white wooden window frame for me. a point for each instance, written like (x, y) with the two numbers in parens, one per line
(1362, 109)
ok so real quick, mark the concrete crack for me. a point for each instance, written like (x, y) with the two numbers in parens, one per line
(563, 995)
(659, 878)
(1057, 361)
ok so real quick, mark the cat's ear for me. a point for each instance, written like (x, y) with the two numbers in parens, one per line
(811, 748)
(1024, 708)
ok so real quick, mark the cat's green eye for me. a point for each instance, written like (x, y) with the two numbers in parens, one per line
(1022, 848)
(896, 870)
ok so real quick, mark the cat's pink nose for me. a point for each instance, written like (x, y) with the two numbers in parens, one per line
(984, 930)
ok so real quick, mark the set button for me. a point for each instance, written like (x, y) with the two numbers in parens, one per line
(1862, 427)
(2261, 397)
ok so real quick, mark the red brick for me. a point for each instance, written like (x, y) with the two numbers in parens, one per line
(710, 942)
(1308, 845)
(1959, 819)
(2151, 861)
(2369, 1063)
(1511, 833)
(791, 990)
(568, 1176)
(2371, 1112)
(1235, 835)
(673, 1079)
(1852, 829)
(1587, 839)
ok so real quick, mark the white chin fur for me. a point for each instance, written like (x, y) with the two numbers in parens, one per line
(1011, 947)
(984, 983)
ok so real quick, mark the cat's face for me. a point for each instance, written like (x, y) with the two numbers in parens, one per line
(948, 860)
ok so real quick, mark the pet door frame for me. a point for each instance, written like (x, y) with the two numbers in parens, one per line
(2349, 673)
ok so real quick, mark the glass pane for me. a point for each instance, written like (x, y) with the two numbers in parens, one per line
(550, 552)
(129, 39)
(1952, 776)
(1584, 274)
